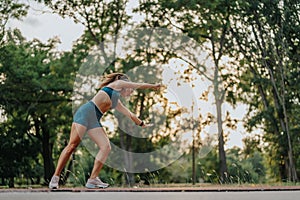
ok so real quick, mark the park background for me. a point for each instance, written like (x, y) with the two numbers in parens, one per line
(250, 70)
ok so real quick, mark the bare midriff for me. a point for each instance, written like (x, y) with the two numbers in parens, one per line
(102, 101)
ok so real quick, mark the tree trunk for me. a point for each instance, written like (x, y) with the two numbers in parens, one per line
(219, 97)
(279, 100)
(11, 182)
(125, 141)
(193, 162)
(222, 155)
(47, 151)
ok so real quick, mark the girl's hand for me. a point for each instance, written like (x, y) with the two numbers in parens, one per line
(156, 86)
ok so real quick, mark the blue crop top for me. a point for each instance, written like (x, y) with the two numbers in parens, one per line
(113, 95)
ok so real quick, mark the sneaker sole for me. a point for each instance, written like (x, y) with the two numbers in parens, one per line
(92, 186)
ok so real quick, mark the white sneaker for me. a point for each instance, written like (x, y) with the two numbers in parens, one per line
(54, 182)
(95, 183)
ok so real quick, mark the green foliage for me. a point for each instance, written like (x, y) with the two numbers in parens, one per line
(242, 168)
(269, 50)
(245, 169)
(208, 23)
(19, 153)
(10, 9)
(36, 86)
(35, 94)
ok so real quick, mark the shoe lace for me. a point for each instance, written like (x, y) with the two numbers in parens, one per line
(55, 179)
(99, 180)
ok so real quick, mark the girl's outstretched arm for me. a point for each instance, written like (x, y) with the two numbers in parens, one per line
(134, 85)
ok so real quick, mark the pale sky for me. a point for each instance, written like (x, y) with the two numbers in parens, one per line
(43, 25)
(40, 23)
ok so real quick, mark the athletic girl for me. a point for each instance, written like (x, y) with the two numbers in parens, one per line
(87, 119)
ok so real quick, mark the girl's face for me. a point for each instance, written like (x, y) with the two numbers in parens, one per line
(126, 92)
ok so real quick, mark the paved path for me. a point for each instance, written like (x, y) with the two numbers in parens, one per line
(210, 188)
(209, 195)
(156, 193)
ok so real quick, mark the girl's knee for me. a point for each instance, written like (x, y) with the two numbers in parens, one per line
(103, 153)
(106, 147)
(70, 148)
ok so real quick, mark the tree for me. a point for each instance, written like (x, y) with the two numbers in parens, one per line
(208, 23)
(36, 87)
(265, 35)
(103, 20)
(10, 9)
(19, 152)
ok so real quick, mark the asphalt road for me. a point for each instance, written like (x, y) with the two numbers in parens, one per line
(252, 195)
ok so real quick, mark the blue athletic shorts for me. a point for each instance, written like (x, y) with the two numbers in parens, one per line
(88, 115)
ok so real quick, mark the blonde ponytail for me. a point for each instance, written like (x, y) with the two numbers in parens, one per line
(111, 78)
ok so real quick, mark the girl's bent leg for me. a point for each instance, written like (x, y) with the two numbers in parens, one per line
(99, 136)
